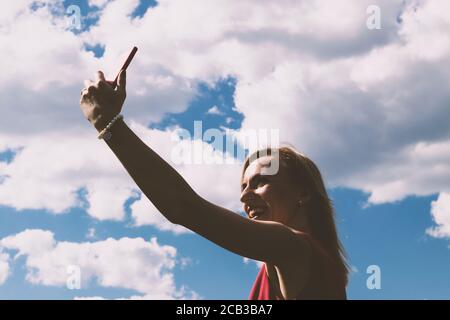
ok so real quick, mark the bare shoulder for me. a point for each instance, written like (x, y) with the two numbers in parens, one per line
(301, 244)
(293, 273)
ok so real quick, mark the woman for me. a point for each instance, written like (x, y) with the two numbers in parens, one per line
(290, 224)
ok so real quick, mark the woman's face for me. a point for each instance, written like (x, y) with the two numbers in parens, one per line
(268, 197)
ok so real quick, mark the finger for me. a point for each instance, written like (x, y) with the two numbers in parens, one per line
(122, 82)
(101, 81)
(85, 97)
(84, 93)
(100, 84)
(91, 89)
(100, 76)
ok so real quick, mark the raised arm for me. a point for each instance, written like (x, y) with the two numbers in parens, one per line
(261, 240)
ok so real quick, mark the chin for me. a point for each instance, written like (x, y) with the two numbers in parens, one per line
(265, 217)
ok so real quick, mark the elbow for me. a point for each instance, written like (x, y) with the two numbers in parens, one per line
(172, 218)
(172, 213)
(183, 212)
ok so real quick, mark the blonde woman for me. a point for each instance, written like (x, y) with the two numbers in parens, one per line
(289, 226)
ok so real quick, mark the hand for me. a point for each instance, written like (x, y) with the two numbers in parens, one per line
(99, 102)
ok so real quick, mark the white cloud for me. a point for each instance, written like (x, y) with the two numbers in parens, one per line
(4, 267)
(214, 110)
(224, 190)
(50, 168)
(91, 233)
(257, 263)
(59, 154)
(420, 169)
(42, 84)
(98, 3)
(184, 294)
(375, 120)
(30, 242)
(130, 263)
(145, 213)
(370, 106)
(89, 298)
(440, 211)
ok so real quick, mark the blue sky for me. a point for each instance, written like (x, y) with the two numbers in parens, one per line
(413, 265)
(381, 221)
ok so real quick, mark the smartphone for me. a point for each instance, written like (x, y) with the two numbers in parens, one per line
(125, 66)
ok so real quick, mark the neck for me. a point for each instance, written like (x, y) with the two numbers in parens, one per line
(299, 221)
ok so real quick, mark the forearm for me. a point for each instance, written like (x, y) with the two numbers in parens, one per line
(159, 181)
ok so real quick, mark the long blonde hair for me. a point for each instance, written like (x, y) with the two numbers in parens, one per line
(320, 211)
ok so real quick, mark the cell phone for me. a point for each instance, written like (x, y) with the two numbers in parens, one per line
(125, 66)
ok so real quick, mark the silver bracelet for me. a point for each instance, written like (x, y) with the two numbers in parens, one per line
(106, 133)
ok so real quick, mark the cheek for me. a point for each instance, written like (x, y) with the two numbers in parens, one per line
(266, 192)
(283, 200)
(273, 196)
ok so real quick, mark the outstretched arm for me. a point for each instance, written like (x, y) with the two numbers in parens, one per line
(171, 194)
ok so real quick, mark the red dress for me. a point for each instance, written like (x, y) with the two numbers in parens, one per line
(324, 281)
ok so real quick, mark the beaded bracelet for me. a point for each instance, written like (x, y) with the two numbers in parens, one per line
(106, 133)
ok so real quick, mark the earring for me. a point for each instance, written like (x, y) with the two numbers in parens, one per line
(300, 203)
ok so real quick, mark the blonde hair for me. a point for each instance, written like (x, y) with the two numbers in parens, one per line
(320, 211)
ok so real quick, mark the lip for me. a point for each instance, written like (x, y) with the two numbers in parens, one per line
(254, 212)
(258, 217)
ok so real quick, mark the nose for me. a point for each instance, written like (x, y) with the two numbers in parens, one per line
(246, 194)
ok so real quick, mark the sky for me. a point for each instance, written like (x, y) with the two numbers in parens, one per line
(368, 102)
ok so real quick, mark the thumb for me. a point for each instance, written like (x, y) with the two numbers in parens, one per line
(122, 82)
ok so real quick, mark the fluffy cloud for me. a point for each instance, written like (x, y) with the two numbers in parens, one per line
(314, 70)
(131, 263)
(197, 162)
(257, 263)
(145, 213)
(440, 210)
(48, 172)
(44, 65)
(98, 3)
(4, 267)
(57, 153)
(375, 120)
(370, 106)
(49, 169)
